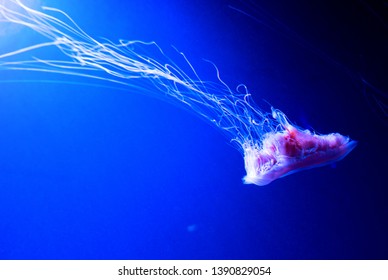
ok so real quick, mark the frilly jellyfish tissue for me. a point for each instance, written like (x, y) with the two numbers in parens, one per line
(271, 145)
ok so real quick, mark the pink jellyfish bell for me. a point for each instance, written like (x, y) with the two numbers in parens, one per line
(291, 150)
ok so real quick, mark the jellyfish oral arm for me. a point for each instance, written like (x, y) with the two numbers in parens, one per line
(292, 150)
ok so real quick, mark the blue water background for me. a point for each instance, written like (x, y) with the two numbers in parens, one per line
(97, 172)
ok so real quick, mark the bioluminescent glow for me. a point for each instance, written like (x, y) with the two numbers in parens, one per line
(271, 145)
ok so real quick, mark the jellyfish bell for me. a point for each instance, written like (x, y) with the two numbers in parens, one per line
(290, 150)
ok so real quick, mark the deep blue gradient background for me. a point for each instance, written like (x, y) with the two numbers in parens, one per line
(94, 172)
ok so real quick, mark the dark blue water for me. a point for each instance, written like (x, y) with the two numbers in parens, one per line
(95, 172)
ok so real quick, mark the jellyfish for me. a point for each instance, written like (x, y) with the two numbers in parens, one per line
(271, 145)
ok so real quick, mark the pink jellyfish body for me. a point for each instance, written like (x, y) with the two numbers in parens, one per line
(291, 150)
